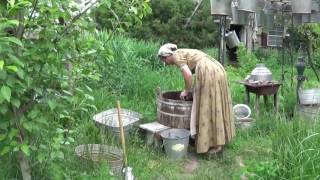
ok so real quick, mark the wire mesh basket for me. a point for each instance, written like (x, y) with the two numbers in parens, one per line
(109, 120)
(102, 153)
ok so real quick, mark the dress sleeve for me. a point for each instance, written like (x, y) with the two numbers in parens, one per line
(180, 59)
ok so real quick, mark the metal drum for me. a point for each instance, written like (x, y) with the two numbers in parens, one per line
(220, 7)
(247, 5)
(301, 6)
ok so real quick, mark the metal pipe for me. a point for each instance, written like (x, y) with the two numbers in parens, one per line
(282, 48)
(193, 13)
(291, 50)
(222, 48)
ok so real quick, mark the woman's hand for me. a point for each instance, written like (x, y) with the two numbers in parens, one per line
(184, 95)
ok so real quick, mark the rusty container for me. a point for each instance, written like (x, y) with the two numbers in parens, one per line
(173, 112)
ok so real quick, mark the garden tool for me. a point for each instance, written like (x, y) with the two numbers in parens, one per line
(128, 175)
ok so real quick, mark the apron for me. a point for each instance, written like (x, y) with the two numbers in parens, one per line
(193, 119)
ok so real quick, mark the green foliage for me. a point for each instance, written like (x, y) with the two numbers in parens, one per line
(262, 170)
(166, 23)
(121, 15)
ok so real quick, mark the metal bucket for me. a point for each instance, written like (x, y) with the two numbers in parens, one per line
(220, 7)
(241, 111)
(247, 5)
(267, 15)
(176, 142)
(301, 6)
(232, 39)
(309, 96)
(239, 17)
(102, 153)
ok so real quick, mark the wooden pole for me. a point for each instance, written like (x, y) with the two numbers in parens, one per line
(123, 142)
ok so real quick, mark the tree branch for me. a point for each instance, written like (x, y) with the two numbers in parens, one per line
(75, 18)
(35, 3)
(20, 29)
(118, 24)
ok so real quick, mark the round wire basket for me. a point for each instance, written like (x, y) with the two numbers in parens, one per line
(101, 153)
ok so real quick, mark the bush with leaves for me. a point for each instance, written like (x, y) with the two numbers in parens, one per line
(46, 58)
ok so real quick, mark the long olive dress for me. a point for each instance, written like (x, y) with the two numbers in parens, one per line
(212, 118)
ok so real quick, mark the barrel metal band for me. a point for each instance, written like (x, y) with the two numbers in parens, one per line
(174, 115)
(174, 104)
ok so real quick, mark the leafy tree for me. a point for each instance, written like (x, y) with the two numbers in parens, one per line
(48, 55)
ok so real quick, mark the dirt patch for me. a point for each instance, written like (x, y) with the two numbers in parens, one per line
(191, 165)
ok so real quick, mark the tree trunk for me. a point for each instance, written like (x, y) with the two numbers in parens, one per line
(24, 166)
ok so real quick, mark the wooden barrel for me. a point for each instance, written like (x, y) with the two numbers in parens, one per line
(173, 112)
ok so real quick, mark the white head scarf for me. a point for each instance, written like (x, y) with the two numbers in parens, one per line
(167, 49)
